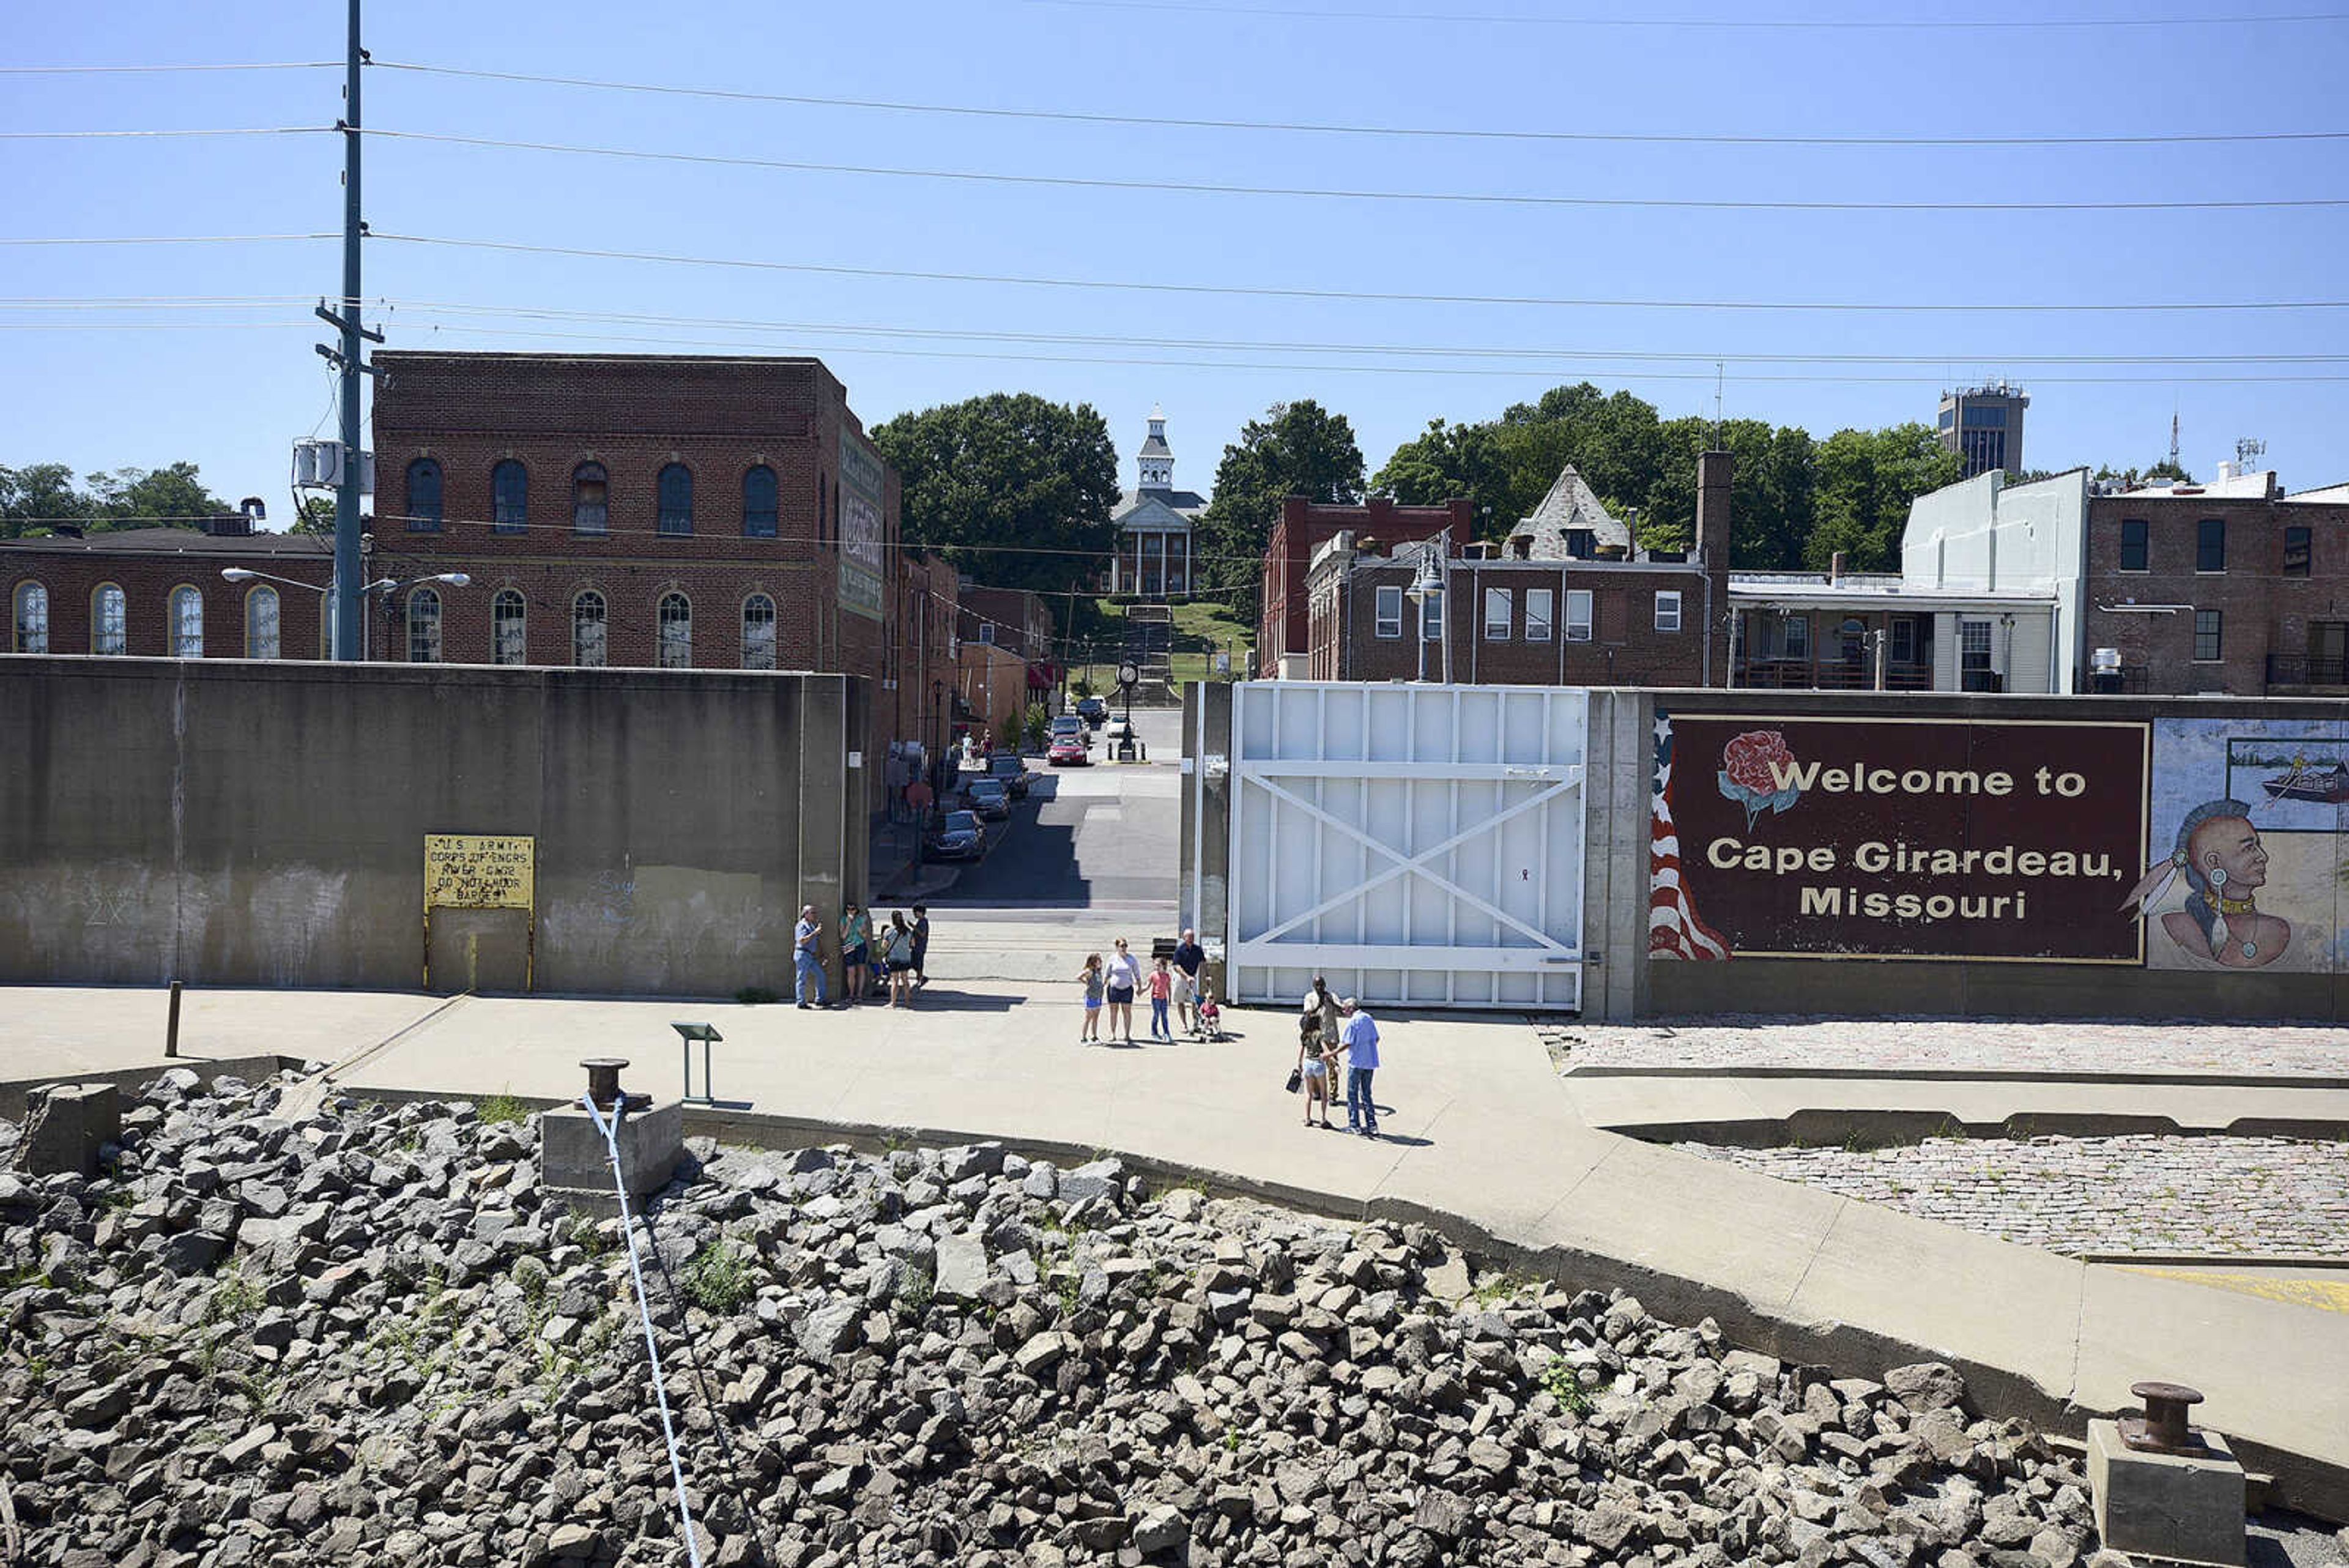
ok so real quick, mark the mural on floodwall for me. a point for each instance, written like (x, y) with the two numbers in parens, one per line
(2210, 844)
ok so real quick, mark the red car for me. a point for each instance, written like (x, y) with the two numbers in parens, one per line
(1068, 751)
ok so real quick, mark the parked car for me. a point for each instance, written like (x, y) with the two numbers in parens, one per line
(1067, 725)
(961, 837)
(1092, 710)
(991, 799)
(1070, 751)
(1007, 769)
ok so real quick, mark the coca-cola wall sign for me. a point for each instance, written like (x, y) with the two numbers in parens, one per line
(1810, 837)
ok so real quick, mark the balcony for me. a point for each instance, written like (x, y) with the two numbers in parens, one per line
(1830, 675)
(2296, 672)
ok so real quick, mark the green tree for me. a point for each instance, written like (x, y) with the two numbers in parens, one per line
(1866, 481)
(317, 516)
(154, 497)
(38, 494)
(1015, 490)
(1296, 448)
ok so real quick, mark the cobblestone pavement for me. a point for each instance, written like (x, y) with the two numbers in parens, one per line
(2061, 1046)
(2262, 1197)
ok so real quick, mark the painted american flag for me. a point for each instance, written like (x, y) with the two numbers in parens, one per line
(1673, 928)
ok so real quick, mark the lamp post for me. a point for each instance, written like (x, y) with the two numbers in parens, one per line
(1426, 585)
(381, 585)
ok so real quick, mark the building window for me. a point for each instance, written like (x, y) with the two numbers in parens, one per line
(675, 615)
(31, 618)
(2295, 552)
(987, 632)
(676, 487)
(423, 627)
(262, 638)
(2205, 637)
(2135, 549)
(187, 622)
(590, 500)
(1430, 618)
(110, 617)
(2211, 545)
(1496, 614)
(759, 503)
(508, 626)
(1390, 612)
(589, 644)
(1904, 641)
(1787, 636)
(424, 496)
(1540, 608)
(758, 632)
(1667, 609)
(1582, 544)
(1577, 615)
(509, 498)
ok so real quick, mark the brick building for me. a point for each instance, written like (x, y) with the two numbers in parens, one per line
(159, 593)
(1537, 609)
(1304, 526)
(675, 511)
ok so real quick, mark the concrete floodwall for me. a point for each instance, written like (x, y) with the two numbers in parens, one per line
(252, 824)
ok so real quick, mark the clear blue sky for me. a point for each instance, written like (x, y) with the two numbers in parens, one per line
(233, 399)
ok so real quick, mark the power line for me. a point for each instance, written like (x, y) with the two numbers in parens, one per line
(159, 69)
(1369, 296)
(117, 135)
(1741, 23)
(1468, 198)
(160, 239)
(1161, 122)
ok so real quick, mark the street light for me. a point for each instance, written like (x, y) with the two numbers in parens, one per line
(385, 585)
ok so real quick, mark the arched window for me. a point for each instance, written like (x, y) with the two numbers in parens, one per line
(507, 626)
(109, 619)
(758, 632)
(187, 618)
(589, 643)
(1852, 639)
(759, 503)
(424, 496)
(260, 624)
(590, 508)
(31, 618)
(677, 499)
(423, 627)
(509, 498)
(676, 618)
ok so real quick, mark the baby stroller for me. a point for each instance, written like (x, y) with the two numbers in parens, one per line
(1211, 1017)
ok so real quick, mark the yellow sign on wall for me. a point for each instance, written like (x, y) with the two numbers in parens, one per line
(482, 871)
(479, 871)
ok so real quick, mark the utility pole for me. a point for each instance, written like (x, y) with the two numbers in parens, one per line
(350, 591)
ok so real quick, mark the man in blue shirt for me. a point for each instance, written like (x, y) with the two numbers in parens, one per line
(806, 959)
(1359, 1034)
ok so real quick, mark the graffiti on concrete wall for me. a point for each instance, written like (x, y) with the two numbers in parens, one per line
(2243, 859)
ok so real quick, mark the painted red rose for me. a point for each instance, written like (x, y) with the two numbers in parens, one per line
(1748, 759)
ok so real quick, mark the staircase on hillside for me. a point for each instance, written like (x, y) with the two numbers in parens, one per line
(1150, 646)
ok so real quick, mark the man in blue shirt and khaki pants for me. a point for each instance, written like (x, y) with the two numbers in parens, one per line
(1359, 1034)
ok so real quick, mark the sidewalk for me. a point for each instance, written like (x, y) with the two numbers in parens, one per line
(1481, 1138)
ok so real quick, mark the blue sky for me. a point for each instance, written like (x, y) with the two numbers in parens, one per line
(234, 397)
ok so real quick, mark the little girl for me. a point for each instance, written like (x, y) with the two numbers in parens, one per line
(1162, 989)
(1094, 984)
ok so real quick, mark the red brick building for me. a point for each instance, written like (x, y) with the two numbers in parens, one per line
(2233, 588)
(1304, 526)
(1531, 611)
(159, 593)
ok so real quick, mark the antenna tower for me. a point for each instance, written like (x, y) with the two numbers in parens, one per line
(2173, 437)
(2246, 449)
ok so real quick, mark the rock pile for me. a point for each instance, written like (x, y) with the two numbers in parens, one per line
(364, 1338)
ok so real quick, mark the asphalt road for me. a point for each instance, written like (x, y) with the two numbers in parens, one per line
(1103, 835)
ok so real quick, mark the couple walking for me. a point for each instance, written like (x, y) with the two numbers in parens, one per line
(1336, 1040)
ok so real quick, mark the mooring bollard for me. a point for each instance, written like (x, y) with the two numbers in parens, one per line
(171, 1026)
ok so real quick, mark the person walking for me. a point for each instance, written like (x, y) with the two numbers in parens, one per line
(1322, 1008)
(1124, 979)
(807, 959)
(898, 956)
(1162, 989)
(1095, 983)
(1317, 1061)
(855, 953)
(1189, 959)
(921, 945)
(1360, 1035)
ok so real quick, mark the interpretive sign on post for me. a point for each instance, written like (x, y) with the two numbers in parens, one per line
(481, 871)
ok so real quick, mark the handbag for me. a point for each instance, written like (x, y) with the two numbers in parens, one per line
(1295, 1079)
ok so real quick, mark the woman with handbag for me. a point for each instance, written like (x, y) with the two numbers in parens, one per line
(1313, 1068)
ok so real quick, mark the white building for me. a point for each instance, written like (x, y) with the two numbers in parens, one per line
(1155, 521)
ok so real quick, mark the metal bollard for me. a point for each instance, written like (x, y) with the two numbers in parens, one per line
(171, 1026)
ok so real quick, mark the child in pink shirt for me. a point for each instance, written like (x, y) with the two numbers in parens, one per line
(1162, 988)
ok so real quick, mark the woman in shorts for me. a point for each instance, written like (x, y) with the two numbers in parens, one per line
(855, 951)
(1313, 1060)
(1124, 977)
(898, 956)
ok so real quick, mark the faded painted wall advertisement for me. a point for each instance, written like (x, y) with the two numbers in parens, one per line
(1896, 838)
(862, 533)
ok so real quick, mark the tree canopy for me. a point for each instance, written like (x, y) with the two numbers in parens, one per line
(1010, 469)
(1296, 448)
(40, 494)
(1787, 487)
